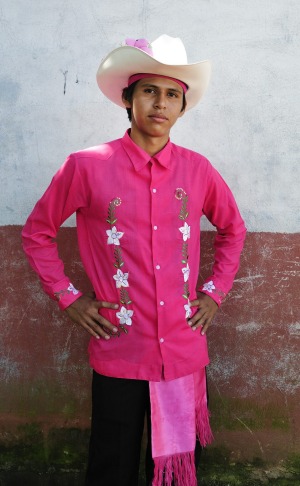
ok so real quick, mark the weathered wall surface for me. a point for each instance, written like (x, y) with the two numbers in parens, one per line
(253, 376)
(247, 125)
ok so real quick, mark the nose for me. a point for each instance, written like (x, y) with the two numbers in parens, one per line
(160, 101)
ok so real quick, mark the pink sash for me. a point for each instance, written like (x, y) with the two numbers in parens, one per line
(178, 414)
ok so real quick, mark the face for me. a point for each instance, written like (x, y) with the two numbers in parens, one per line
(156, 105)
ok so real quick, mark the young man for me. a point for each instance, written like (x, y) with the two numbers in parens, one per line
(138, 202)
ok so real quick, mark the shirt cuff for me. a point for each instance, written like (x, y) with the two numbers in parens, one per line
(66, 295)
(209, 288)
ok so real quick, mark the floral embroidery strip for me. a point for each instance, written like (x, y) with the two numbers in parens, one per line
(181, 195)
(121, 278)
(69, 290)
(185, 230)
(112, 210)
(210, 287)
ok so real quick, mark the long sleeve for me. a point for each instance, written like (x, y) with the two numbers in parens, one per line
(63, 197)
(138, 237)
(221, 210)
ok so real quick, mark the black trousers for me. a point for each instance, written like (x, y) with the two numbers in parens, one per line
(119, 407)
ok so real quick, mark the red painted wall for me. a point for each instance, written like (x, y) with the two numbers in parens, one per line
(254, 348)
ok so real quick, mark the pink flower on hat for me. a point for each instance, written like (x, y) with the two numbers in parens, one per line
(142, 44)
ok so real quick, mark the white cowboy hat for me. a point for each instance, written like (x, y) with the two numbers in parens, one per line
(165, 56)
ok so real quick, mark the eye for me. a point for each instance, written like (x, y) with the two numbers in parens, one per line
(149, 90)
(171, 94)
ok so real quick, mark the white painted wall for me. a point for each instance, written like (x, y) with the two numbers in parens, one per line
(247, 124)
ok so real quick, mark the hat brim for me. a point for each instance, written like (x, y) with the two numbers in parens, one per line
(115, 70)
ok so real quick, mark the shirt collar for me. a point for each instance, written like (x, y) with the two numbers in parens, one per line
(140, 158)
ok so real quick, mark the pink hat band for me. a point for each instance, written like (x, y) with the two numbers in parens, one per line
(137, 77)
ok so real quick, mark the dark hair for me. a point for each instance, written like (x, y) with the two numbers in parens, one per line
(127, 94)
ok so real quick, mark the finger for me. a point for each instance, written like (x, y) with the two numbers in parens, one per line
(97, 331)
(98, 328)
(96, 318)
(93, 308)
(196, 317)
(93, 329)
(195, 303)
(205, 327)
(106, 305)
(200, 322)
(104, 323)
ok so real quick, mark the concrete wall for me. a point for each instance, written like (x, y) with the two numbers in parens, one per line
(247, 125)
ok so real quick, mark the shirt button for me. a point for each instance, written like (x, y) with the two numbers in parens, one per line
(162, 302)
(154, 190)
(157, 267)
(161, 340)
(155, 227)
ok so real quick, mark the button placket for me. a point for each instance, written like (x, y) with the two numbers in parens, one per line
(154, 191)
(157, 253)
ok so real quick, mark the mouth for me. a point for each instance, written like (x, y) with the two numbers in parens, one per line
(158, 117)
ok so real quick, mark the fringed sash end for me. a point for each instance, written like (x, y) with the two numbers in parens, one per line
(203, 430)
(177, 469)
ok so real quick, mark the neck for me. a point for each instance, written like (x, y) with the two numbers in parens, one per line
(151, 145)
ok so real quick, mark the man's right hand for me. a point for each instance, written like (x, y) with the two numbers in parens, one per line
(85, 312)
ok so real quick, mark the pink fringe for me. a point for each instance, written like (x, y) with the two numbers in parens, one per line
(203, 430)
(179, 468)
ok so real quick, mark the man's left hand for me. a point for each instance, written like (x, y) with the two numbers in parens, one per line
(207, 309)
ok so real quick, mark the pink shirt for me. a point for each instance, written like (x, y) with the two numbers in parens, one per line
(139, 238)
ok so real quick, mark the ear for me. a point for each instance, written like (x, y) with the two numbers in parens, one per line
(181, 113)
(126, 103)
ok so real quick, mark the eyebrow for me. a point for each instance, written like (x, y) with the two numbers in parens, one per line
(148, 85)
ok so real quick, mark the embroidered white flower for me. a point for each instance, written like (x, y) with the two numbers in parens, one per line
(72, 289)
(188, 310)
(186, 272)
(114, 236)
(186, 231)
(209, 286)
(125, 316)
(121, 279)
